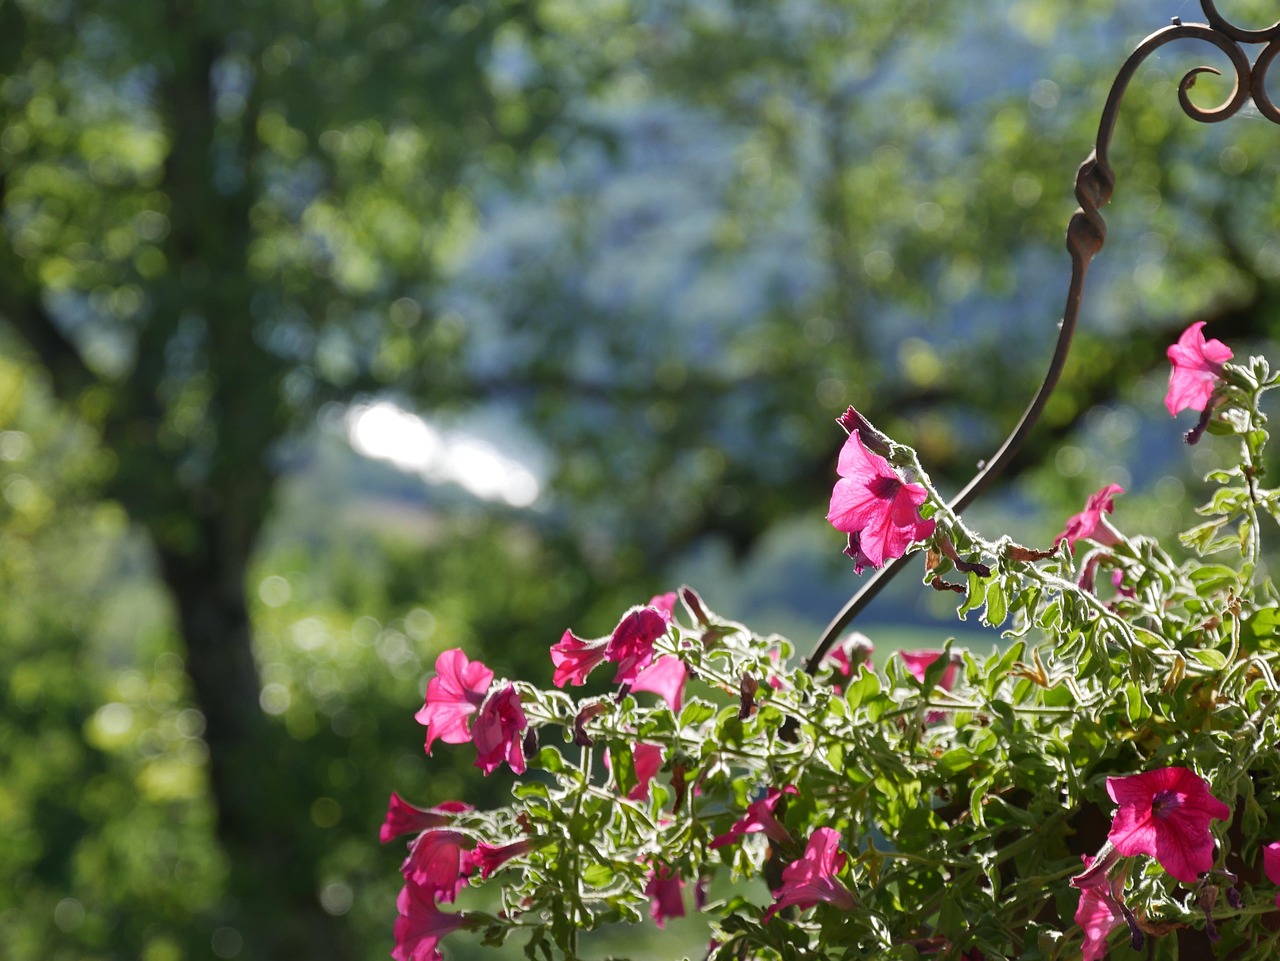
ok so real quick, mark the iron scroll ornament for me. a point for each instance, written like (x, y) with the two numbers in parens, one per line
(1086, 233)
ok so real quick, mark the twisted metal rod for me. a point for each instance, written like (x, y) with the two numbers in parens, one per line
(1086, 233)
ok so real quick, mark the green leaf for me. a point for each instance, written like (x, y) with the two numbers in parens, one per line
(1210, 578)
(975, 597)
(977, 796)
(696, 712)
(1000, 669)
(550, 760)
(596, 875)
(835, 757)
(954, 761)
(997, 603)
(1261, 625)
(1210, 658)
(865, 685)
(1135, 705)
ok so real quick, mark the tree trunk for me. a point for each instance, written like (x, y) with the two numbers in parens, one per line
(263, 824)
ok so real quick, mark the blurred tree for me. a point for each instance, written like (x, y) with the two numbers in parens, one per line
(218, 216)
(677, 238)
(873, 215)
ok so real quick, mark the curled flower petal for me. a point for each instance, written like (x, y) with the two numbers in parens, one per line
(1099, 912)
(437, 863)
(489, 858)
(664, 604)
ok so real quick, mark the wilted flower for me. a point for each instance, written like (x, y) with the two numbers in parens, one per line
(1166, 814)
(1197, 368)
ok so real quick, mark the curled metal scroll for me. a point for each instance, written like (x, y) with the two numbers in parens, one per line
(1086, 233)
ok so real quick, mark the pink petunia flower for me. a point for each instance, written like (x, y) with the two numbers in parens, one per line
(852, 652)
(575, 658)
(759, 817)
(437, 863)
(453, 695)
(1166, 814)
(918, 662)
(631, 644)
(812, 878)
(1271, 864)
(664, 604)
(665, 677)
(873, 505)
(666, 894)
(646, 760)
(1197, 368)
(488, 858)
(406, 818)
(421, 925)
(1088, 523)
(1099, 912)
(775, 658)
(497, 731)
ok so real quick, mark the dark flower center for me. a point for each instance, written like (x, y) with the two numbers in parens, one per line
(885, 488)
(1165, 803)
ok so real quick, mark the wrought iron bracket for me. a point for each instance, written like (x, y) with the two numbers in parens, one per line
(1086, 233)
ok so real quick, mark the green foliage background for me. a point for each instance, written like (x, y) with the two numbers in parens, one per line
(222, 220)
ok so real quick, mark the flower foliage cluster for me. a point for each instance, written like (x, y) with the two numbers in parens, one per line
(1106, 777)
